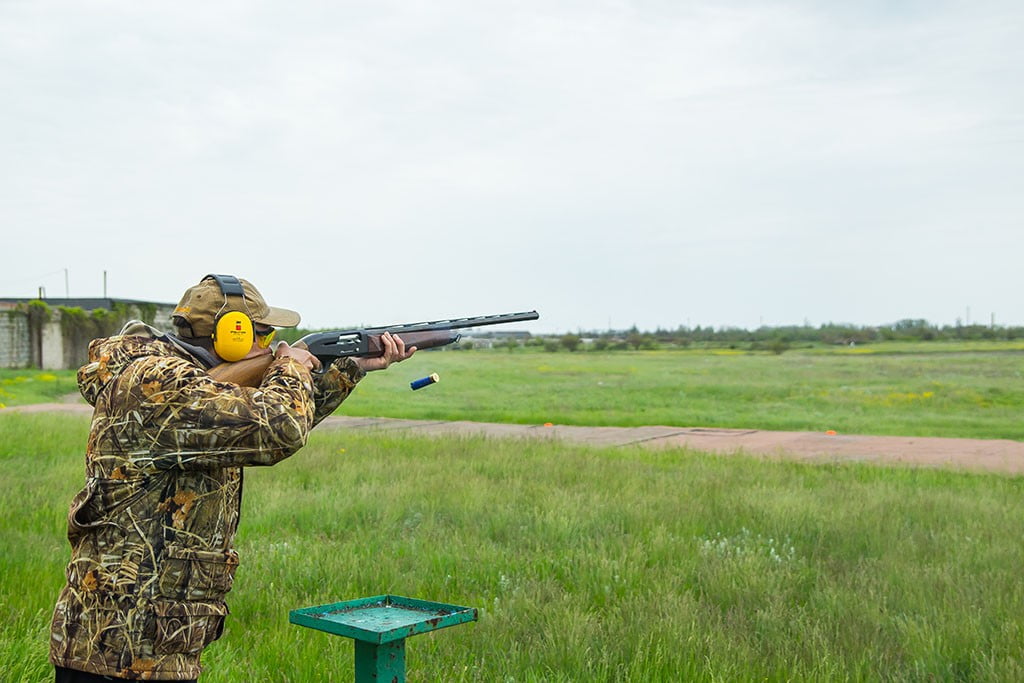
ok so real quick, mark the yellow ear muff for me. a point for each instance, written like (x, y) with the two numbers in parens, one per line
(232, 336)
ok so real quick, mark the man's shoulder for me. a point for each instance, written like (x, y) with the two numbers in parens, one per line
(126, 358)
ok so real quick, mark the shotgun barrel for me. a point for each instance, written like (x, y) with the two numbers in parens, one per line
(366, 341)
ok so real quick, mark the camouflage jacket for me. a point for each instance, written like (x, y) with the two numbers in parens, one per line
(151, 533)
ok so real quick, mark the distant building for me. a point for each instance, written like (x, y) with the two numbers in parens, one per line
(54, 334)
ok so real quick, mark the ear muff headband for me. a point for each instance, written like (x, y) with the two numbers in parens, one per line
(233, 331)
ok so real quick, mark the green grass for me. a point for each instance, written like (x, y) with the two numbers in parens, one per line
(24, 387)
(596, 565)
(891, 389)
(916, 347)
(966, 394)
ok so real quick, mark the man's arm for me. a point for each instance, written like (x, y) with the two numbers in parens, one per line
(188, 420)
(191, 421)
(334, 385)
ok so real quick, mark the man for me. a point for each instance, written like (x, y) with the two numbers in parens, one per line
(152, 531)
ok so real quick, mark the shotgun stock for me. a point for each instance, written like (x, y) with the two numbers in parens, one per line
(366, 343)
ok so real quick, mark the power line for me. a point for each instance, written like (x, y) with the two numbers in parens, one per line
(31, 278)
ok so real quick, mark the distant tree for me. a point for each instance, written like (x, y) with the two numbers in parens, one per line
(908, 329)
(570, 341)
(778, 346)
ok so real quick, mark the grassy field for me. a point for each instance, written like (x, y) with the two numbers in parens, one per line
(895, 389)
(938, 389)
(963, 394)
(587, 565)
(24, 387)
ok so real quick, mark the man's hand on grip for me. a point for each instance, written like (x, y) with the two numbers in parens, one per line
(301, 355)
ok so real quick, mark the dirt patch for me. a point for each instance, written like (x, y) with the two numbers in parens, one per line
(983, 455)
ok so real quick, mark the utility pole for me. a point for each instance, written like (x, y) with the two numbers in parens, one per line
(67, 290)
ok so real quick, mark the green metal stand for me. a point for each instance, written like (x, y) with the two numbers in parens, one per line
(385, 662)
(379, 626)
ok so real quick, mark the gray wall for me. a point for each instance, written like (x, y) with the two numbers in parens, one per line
(14, 340)
(53, 350)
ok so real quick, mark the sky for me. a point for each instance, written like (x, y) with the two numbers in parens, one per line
(608, 164)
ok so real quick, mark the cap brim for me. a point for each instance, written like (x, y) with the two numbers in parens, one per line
(279, 317)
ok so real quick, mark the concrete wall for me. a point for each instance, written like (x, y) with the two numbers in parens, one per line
(49, 347)
(162, 319)
(15, 351)
(52, 345)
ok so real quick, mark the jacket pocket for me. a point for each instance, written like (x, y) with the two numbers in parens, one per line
(101, 503)
(190, 574)
(187, 627)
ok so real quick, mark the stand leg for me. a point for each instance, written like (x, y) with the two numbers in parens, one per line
(383, 663)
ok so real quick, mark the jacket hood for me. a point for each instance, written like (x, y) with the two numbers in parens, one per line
(109, 356)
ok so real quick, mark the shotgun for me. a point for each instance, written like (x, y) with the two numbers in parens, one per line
(365, 342)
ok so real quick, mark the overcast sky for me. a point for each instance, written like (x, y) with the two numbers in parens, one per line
(606, 163)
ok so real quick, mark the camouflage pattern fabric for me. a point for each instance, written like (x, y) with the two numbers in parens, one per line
(151, 533)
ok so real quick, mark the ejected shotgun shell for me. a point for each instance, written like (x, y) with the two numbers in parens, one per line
(426, 381)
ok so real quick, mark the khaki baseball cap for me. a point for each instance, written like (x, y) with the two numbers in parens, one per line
(201, 304)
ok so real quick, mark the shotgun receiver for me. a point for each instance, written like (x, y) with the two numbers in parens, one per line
(365, 342)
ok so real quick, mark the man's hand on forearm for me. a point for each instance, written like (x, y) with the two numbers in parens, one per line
(394, 352)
